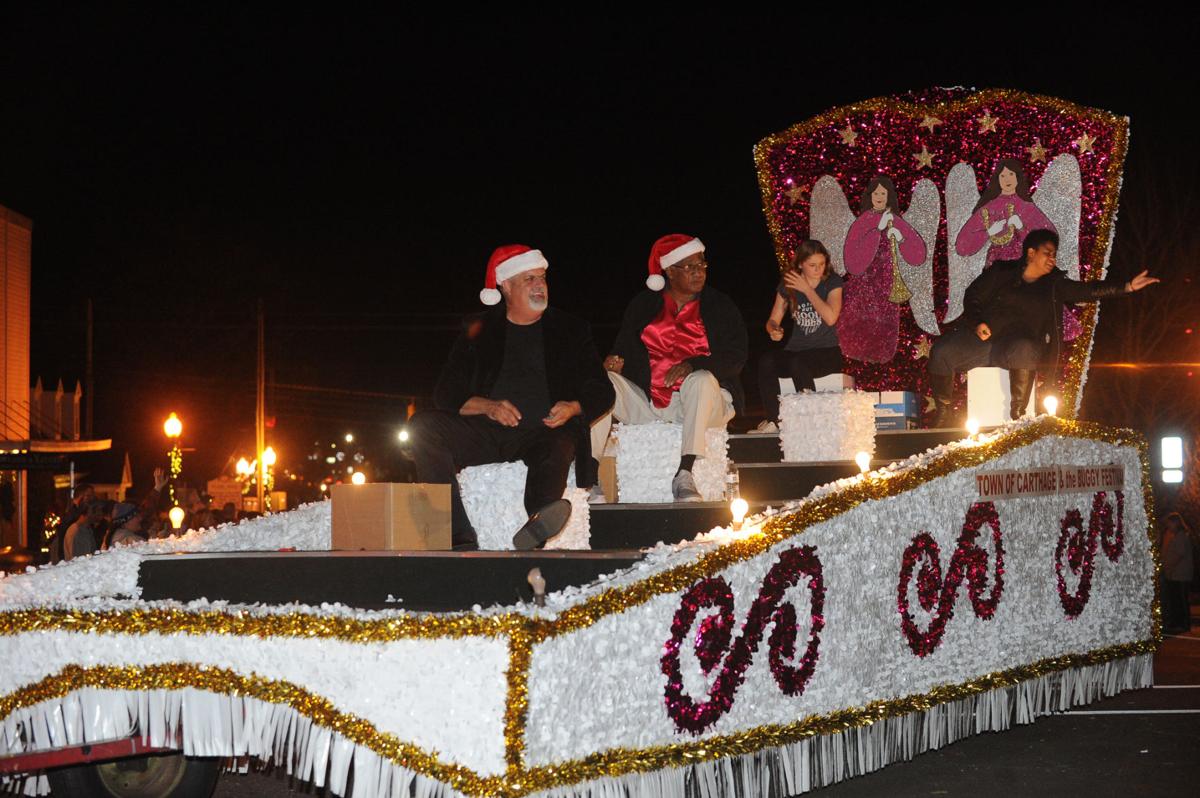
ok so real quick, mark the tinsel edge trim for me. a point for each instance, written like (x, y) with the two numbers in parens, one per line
(223, 681)
(518, 780)
(618, 762)
(609, 602)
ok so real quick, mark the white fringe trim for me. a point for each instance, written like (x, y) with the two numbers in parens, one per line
(820, 761)
(208, 724)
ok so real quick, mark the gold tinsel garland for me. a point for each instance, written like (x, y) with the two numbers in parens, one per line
(516, 710)
(1073, 378)
(518, 780)
(524, 632)
(586, 613)
(176, 676)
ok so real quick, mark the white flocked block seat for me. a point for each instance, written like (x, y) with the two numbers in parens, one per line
(494, 496)
(988, 398)
(821, 427)
(648, 458)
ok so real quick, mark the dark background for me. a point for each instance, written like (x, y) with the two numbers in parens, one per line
(355, 172)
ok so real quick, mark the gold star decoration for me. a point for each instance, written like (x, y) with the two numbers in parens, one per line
(924, 347)
(924, 158)
(1037, 152)
(796, 193)
(1084, 143)
(930, 122)
(848, 134)
(987, 122)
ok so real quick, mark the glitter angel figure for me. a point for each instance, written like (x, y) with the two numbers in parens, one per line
(991, 226)
(887, 260)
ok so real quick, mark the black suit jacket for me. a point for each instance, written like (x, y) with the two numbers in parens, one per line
(573, 372)
(999, 298)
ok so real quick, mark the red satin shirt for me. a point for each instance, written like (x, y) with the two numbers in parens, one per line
(674, 336)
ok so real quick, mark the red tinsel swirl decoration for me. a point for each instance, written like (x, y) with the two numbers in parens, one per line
(713, 640)
(969, 562)
(1080, 547)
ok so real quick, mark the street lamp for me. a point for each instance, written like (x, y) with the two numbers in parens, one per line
(268, 479)
(173, 428)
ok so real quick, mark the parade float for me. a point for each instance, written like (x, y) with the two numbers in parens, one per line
(944, 592)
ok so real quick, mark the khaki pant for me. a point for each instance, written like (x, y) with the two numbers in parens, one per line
(699, 403)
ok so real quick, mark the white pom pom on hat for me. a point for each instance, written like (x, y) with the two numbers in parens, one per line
(508, 261)
(667, 251)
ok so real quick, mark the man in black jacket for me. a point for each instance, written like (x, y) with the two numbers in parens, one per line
(678, 356)
(523, 382)
(1012, 318)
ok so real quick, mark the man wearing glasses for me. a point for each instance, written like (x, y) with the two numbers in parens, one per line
(678, 356)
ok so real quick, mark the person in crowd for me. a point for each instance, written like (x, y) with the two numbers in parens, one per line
(1178, 568)
(811, 294)
(1012, 318)
(126, 525)
(81, 537)
(678, 355)
(84, 494)
(523, 382)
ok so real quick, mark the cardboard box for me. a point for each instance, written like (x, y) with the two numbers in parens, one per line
(385, 516)
(608, 478)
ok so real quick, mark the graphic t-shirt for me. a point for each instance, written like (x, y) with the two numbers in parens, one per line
(811, 331)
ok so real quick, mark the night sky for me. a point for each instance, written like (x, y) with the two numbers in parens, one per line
(355, 173)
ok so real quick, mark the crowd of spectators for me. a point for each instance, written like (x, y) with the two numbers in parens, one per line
(89, 524)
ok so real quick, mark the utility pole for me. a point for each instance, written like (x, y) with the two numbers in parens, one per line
(260, 412)
(89, 381)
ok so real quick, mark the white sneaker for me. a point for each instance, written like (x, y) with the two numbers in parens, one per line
(596, 496)
(683, 488)
(767, 427)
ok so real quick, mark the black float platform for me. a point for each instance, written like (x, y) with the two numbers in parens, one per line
(423, 581)
(890, 445)
(450, 581)
(640, 526)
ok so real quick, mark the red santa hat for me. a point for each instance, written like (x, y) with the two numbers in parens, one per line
(508, 261)
(667, 251)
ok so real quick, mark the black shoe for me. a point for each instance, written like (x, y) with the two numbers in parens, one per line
(543, 525)
(942, 387)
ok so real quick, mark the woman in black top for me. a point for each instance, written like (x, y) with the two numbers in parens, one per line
(812, 294)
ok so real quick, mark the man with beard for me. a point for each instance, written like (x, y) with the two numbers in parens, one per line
(523, 382)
